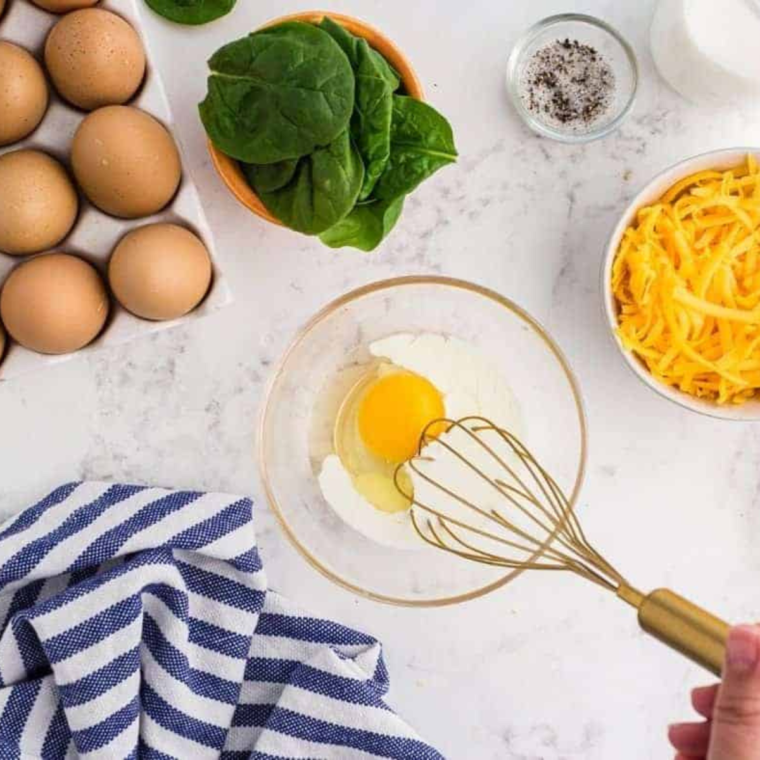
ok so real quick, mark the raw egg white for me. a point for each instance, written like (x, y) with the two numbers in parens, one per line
(415, 381)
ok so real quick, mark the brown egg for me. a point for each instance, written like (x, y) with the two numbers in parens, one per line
(38, 202)
(95, 58)
(2, 7)
(126, 162)
(160, 271)
(23, 93)
(64, 6)
(54, 304)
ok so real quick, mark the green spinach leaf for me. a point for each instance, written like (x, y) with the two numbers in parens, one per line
(349, 44)
(278, 94)
(271, 177)
(322, 190)
(371, 122)
(366, 226)
(421, 143)
(192, 12)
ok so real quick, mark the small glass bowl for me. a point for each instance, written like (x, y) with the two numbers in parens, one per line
(321, 366)
(590, 31)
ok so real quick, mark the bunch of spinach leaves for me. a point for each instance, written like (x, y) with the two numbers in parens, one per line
(323, 132)
(192, 12)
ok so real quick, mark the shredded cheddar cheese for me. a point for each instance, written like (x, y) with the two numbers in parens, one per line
(687, 283)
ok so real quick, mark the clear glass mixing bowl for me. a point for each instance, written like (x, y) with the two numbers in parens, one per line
(324, 361)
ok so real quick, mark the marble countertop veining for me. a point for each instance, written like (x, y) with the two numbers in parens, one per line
(548, 669)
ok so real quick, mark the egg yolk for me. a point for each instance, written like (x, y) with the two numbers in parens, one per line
(395, 411)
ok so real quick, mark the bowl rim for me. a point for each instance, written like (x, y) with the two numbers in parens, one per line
(512, 78)
(229, 169)
(327, 311)
(646, 194)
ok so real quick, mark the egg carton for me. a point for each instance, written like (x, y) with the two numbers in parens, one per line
(96, 234)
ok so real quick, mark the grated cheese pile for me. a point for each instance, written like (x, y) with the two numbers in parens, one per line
(687, 283)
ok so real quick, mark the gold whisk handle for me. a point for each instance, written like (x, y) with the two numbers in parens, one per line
(684, 627)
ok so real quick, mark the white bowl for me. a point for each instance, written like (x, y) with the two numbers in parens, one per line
(717, 159)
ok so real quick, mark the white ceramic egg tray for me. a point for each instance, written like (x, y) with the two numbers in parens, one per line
(95, 234)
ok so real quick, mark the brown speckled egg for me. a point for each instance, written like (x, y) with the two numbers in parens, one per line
(95, 58)
(64, 6)
(38, 202)
(23, 93)
(54, 304)
(160, 271)
(125, 161)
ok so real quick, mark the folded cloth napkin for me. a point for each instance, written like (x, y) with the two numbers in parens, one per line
(137, 623)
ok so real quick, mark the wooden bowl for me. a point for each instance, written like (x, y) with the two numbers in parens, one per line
(229, 169)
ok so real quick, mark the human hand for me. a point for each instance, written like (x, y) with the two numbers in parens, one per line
(731, 729)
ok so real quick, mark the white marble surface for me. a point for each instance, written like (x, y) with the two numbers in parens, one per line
(548, 669)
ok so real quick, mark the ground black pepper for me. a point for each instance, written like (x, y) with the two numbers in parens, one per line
(568, 84)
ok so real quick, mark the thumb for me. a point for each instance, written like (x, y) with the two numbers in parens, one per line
(736, 718)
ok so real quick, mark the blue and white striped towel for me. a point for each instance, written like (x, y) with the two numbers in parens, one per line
(137, 623)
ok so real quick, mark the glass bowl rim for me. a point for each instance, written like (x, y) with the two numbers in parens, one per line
(327, 311)
(518, 52)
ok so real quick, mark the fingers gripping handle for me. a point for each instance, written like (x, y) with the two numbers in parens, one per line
(683, 626)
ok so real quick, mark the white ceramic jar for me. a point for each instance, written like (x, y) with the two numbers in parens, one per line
(707, 50)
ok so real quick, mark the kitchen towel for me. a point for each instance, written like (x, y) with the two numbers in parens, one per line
(137, 623)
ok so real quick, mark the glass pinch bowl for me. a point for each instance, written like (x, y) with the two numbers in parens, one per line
(324, 362)
(589, 31)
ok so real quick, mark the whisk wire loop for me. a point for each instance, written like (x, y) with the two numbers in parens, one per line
(535, 526)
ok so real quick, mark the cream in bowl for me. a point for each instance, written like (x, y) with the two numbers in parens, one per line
(682, 284)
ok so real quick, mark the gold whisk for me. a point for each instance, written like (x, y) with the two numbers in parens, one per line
(512, 514)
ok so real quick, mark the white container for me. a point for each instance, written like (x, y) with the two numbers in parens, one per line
(95, 234)
(717, 159)
(707, 50)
